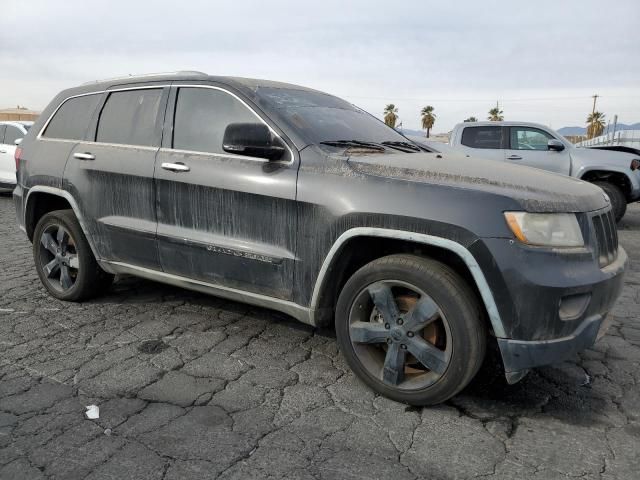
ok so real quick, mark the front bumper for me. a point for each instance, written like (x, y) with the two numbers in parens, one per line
(520, 356)
(533, 286)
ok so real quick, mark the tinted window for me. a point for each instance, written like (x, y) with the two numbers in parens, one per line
(320, 117)
(12, 134)
(72, 118)
(482, 137)
(201, 116)
(2, 128)
(526, 138)
(130, 118)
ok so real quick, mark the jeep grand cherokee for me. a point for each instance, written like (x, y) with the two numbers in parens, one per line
(293, 199)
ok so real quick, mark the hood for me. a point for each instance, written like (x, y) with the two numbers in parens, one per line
(602, 158)
(536, 190)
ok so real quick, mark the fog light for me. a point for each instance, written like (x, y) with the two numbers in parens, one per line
(573, 306)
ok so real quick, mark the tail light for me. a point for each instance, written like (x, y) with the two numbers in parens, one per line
(17, 156)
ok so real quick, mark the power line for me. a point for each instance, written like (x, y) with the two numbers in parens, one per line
(531, 99)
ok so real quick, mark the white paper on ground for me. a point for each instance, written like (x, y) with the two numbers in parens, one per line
(92, 412)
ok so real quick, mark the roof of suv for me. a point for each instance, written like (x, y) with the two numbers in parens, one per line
(186, 75)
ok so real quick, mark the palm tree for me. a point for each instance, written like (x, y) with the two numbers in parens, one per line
(595, 124)
(471, 119)
(495, 114)
(428, 118)
(390, 117)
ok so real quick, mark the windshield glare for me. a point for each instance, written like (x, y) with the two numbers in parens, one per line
(320, 117)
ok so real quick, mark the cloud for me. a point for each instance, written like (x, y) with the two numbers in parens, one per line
(458, 56)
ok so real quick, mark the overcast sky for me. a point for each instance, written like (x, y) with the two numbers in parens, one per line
(541, 59)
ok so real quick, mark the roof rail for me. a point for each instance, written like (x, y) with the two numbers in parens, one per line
(146, 75)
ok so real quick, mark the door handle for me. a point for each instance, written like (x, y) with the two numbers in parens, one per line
(84, 156)
(514, 157)
(176, 167)
(3, 151)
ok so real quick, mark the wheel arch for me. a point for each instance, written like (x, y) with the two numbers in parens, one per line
(615, 177)
(42, 200)
(344, 258)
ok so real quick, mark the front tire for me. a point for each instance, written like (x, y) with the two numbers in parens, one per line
(64, 261)
(616, 195)
(411, 328)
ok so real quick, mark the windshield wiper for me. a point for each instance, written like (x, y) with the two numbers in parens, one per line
(403, 146)
(354, 143)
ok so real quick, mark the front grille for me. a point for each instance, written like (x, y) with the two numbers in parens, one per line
(606, 235)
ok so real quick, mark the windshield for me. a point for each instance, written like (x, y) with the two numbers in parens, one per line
(320, 117)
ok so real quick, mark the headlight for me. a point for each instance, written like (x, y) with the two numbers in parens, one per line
(545, 229)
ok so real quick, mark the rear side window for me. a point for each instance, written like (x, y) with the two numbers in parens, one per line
(201, 117)
(71, 120)
(130, 118)
(2, 129)
(12, 134)
(482, 137)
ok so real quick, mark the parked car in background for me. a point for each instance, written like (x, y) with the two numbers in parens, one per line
(295, 200)
(10, 133)
(534, 145)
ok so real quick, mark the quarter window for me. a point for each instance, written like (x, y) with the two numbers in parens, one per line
(201, 117)
(131, 118)
(71, 120)
(526, 138)
(12, 134)
(2, 129)
(482, 137)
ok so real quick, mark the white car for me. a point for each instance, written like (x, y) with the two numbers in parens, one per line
(11, 134)
(538, 146)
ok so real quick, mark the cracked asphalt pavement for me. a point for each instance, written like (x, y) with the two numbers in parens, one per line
(195, 387)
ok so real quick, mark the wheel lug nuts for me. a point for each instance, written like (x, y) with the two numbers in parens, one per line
(409, 334)
(387, 326)
(403, 346)
(400, 321)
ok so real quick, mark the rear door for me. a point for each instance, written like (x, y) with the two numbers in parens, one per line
(111, 174)
(528, 146)
(484, 141)
(225, 219)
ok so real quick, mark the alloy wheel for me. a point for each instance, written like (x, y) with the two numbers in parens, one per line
(400, 335)
(58, 257)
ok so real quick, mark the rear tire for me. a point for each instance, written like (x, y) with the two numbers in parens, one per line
(64, 260)
(458, 330)
(616, 195)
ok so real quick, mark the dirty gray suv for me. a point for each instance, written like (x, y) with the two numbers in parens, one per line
(289, 198)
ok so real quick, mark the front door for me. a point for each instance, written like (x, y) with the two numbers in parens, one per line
(223, 218)
(528, 146)
(112, 175)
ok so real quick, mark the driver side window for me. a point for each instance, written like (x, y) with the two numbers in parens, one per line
(527, 138)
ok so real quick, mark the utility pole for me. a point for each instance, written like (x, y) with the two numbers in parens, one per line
(595, 97)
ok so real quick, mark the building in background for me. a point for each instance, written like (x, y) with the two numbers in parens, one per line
(18, 113)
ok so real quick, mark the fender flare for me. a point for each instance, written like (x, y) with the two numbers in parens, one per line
(74, 206)
(464, 254)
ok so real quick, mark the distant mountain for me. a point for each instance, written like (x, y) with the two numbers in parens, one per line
(575, 131)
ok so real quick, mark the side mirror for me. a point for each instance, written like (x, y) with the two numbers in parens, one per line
(18, 141)
(251, 139)
(555, 145)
